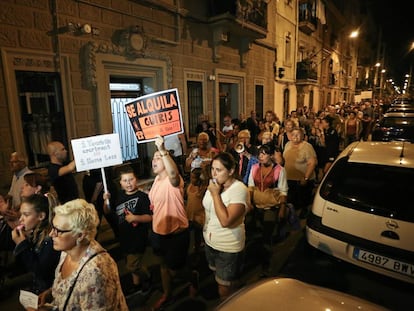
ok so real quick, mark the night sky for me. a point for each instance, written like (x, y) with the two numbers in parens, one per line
(396, 20)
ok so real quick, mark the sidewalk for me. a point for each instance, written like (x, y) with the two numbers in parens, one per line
(207, 298)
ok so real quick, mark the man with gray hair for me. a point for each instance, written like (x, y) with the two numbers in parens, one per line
(18, 166)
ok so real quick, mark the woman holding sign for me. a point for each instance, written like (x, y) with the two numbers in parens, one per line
(170, 237)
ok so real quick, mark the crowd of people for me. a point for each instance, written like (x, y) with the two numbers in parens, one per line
(239, 178)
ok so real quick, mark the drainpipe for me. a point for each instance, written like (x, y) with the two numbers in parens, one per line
(55, 36)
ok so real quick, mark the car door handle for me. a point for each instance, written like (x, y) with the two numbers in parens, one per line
(390, 234)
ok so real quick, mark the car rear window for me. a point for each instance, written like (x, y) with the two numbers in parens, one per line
(398, 121)
(376, 189)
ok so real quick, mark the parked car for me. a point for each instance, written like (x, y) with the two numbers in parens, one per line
(363, 212)
(291, 294)
(395, 125)
(401, 109)
(401, 102)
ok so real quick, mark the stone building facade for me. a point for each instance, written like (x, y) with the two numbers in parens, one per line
(59, 59)
(68, 67)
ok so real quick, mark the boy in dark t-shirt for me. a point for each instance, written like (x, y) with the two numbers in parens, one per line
(131, 207)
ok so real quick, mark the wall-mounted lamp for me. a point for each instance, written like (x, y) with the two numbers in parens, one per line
(212, 78)
(85, 29)
(281, 72)
(76, 29)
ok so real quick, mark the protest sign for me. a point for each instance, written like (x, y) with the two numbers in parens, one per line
(366, 95)
(96, 152)
(155, 114)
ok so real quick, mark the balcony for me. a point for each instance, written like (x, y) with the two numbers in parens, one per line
(305, 71)
(240, 18)
(307, 18)
(237, 24)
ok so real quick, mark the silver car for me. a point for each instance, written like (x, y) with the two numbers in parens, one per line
(291, 294)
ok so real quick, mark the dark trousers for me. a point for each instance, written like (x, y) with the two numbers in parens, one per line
(300, 196)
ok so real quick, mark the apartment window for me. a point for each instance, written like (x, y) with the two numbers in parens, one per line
(307, 11)
(42, 113)
(311, 100)
(195, 104)
(288, 49)
(259, 100)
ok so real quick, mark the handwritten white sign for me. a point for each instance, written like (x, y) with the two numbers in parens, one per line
(366, 95)
(28, 299)
(96, 152)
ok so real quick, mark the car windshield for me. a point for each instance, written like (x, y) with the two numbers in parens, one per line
(377, 189)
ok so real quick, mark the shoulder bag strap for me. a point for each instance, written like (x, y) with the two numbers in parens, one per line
(76, 278)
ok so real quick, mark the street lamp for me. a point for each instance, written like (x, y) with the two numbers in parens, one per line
(377, 65)
(355, 34)
(406, 83)
(382, 82)
(351, 65)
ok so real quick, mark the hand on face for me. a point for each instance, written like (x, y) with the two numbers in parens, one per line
(19, 234)
(214, 187)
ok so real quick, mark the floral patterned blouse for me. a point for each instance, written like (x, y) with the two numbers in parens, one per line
(98, 285)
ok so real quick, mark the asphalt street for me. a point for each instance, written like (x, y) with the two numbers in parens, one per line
(207, 296)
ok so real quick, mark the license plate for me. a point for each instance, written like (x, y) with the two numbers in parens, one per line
(384, 262)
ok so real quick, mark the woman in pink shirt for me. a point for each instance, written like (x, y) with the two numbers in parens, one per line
(170, 237)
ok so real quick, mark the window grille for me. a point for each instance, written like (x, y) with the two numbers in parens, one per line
(195, 104)
(122, 126)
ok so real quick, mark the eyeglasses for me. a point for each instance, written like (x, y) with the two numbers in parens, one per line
(58, 231)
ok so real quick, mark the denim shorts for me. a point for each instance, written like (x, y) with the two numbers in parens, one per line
(227, 266)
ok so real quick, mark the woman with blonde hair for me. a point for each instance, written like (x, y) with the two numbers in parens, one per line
(86, 277)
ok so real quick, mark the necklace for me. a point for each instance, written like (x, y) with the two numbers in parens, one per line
(264, 172)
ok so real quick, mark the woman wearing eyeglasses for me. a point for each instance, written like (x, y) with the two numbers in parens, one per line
(34, 248)
(86, 277)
